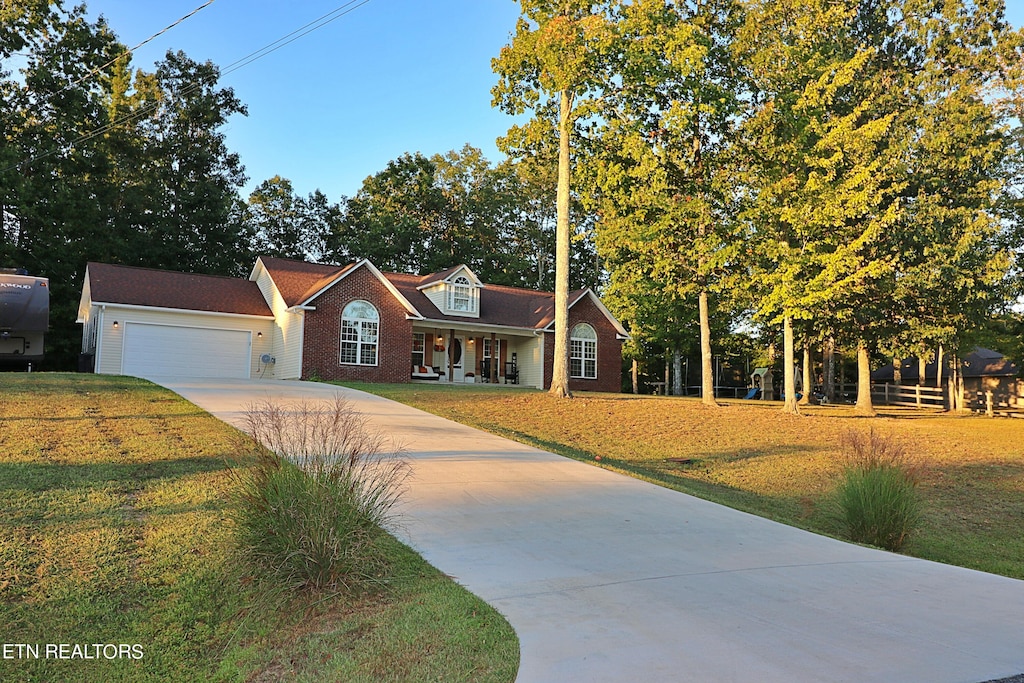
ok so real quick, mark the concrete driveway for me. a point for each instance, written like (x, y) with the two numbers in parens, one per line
(606, 578)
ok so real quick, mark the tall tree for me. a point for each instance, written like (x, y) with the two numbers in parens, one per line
(665, 165)
(54, 182)
(98, 163)
(966, 87)
(396, 219)
(286, 225)
(198, 223)
(827, 167)
(555, 65)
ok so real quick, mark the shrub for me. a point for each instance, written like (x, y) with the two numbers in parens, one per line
(314, 498)
(878, 491)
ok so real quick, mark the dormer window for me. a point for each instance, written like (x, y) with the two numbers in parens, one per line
(455, 291)
(461, 295)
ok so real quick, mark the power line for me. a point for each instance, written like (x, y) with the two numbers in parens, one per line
(300, 32)
(131, 50)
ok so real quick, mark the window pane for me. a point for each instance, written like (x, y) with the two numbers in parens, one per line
(583, 331)
(349, 331)
(362, 310)
(349, 352)
(369, 354)
(359, 330)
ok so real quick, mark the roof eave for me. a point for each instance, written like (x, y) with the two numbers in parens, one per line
(169, 309)
(345, 272)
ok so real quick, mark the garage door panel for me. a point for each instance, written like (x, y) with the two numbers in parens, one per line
(152, 350)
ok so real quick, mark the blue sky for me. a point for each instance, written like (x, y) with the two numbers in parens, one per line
(333, 107)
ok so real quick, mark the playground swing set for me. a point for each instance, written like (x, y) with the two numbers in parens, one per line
(762, 387)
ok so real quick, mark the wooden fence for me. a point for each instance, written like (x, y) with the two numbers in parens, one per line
(914, 396)
(986, 402)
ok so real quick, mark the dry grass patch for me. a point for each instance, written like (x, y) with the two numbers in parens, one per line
(749, 455)
(114, 528)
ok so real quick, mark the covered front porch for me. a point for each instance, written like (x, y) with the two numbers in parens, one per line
(469, 354)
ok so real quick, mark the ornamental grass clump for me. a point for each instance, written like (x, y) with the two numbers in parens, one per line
(317, 490)
(878, 491)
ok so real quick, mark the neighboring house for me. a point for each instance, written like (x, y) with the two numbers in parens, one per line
(292, 319)
(983, 370)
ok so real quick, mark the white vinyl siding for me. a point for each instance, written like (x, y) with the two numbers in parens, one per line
(457, 296)
(436, 294)
(530, 359)
(287, 333)
(110, 340)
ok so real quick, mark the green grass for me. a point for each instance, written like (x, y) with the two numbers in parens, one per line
(750, 456)
(115, 528)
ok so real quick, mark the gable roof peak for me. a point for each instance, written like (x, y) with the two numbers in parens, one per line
(449, 275)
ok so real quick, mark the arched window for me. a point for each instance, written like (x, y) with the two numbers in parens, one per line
(583, 352)
(360, 324)
(460, 294)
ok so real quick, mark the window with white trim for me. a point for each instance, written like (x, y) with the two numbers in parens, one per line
(489, 360)
(487, 347)
(360, 324)
(583, 352)
(419, 347)
(460, 295)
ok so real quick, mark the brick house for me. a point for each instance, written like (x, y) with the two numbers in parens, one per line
(292, 319)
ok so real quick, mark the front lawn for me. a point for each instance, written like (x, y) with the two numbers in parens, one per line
(750, 456)
(113, 531)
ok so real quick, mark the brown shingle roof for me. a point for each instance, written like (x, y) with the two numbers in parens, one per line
(299, 280)
(437, 277)
(499, 305)
(133, 286)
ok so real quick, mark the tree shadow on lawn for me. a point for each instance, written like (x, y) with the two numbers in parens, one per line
(38, 477)
(93, 417)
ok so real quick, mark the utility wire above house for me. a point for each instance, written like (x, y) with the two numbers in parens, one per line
(300, 32)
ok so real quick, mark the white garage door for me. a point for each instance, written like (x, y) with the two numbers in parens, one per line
(170, 351)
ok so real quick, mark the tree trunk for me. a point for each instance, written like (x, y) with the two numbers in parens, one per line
(897, 371)
(864, 404)
(707, 377)
(951, 390)
(808, 384)
(961, 404)
(922, 366)
(635, 374)
(938, 368)
(828, 370)
(789, 368)
(956, 385)
(560, 360)
(677, 373)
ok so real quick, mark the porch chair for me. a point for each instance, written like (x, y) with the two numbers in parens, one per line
(512, 371)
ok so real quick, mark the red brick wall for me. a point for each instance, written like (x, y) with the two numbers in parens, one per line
(609, 350)
(322, 341)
